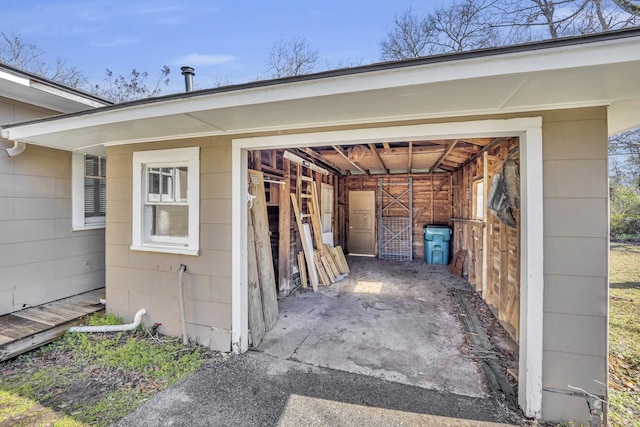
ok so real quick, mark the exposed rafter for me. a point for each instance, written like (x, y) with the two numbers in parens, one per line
(341, 151)
(311, 153)
(444, 155)
(374, 150)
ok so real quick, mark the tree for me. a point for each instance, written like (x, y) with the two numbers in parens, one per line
(291, 58)
(624, 211)
(132, 87)
(26, 56)
(465, 25)
(632, 7)
(474, 24)
(624, 152)
(29, 57)
(550, 19)
(408, 38)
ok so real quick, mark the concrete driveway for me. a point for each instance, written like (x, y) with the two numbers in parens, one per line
(255, 389)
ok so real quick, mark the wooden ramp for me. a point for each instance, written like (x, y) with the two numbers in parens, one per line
(30, 328)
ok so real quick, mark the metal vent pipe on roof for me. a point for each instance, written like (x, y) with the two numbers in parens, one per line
(188, 73)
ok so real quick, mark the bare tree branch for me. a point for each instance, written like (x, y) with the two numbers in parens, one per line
(132, 87)
(407, 39)
(291, 58)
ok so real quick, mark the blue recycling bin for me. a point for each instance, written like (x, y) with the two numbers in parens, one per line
(437, 239)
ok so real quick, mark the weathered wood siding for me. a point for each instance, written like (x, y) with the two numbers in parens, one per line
(502, 270)
(431, 201)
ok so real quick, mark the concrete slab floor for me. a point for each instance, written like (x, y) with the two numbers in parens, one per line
(388, 319)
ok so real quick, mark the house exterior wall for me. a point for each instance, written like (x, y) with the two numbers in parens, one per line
(41, 258)
(150, 280)
(576, 245)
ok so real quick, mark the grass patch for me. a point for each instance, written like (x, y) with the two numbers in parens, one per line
(624, 335)
(16, 410)
(92, 379)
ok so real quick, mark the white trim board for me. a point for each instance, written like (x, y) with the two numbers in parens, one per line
(531, 278)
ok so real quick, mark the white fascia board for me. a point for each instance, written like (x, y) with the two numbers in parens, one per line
(70, 96)
(14, 78)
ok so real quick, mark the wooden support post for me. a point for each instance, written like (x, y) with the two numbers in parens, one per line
(433, 196)
(485, 230)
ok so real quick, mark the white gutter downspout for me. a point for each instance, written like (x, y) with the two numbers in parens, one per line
(112, 328)
(18, 148)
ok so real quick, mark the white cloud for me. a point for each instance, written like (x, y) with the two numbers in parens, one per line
(118, 41)
(194, 59)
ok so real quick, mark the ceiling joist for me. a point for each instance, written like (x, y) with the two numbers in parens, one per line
(373, 149)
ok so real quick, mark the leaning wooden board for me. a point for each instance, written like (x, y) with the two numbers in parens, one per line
(256, 316)
(264, 257)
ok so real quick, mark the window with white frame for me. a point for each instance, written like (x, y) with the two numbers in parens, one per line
(166, 197)
(89, 191)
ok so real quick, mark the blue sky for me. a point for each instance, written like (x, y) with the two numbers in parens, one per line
(223, 40)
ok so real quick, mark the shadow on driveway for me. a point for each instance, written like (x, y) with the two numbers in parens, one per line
(255, 389)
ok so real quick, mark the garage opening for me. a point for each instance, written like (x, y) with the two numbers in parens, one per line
(383, 200)
(371, 200)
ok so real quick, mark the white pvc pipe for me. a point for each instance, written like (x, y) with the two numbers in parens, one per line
(185, 338)
(112, 328)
